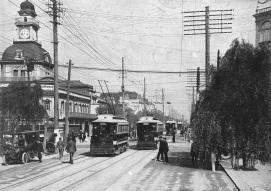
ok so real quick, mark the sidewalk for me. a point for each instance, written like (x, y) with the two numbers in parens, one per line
(255, 180)
(177, 175)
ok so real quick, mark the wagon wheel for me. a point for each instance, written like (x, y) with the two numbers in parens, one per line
(25, 158)
(7, 159)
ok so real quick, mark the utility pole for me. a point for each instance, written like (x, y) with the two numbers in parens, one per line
(144, 98)
(218, 60)
(219, 21)
(54, 12)
(67, 108)
(122, 87)
(207, 46)
(163, 101)
(198, 79)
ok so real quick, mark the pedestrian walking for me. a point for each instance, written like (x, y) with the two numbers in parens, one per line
(165, 149)
(194, 153)
(71, 148)
(40, 150)
(80, 137)
(173, 135)
(72, 135)
(83, 137)
(60, 146)
(160, 153)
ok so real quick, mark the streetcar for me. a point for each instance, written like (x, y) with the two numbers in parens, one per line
(148, 131)
(170, 127)
(181, 128)
(109, 135)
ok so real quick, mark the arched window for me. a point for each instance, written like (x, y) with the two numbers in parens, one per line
(265, 32)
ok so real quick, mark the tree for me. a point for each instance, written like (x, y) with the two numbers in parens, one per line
(20, 104)
(237, 100)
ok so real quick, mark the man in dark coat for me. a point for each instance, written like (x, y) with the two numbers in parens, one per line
(160, 150)
(40, 150)
(173, 135)
(71, 148)
(165, 149)
(60, 146)
(194, 153)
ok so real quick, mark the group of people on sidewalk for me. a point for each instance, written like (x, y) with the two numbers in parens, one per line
(163, 150)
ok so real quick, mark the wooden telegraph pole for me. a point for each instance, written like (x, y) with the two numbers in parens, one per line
(144, 98)
(67, 107)
(207, 46)
(122, 87)
(212, 22)
(54, 12)
(163, 101)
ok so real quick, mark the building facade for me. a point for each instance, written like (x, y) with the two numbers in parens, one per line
(26, 60)
(263, 23)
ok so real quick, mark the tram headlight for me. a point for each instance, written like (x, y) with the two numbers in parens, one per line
(114, 142)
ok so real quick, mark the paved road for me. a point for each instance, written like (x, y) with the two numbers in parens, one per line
(177, 175)
(132, 170)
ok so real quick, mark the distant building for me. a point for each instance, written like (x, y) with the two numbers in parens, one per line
(26, 60)
(263, 22)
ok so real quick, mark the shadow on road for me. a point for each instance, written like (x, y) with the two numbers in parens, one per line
(102, 155)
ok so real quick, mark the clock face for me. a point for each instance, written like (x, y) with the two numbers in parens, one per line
(24, 33)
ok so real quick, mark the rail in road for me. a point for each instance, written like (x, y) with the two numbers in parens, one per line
(65, 176)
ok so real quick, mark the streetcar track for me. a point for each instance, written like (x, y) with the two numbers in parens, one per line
(72, 186)
(41, 175)
(86, 169)
(32, 163)
(115, 179)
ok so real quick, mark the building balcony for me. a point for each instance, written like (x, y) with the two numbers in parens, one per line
(263, 10)
(82, 115)
(30, 21)
(16, 79)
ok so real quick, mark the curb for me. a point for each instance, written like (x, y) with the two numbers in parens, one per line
(230, 177)
(235, 181)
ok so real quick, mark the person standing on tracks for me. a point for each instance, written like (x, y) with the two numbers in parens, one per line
(160, 150)
(165, 149)
(60, 146)
(71, 148)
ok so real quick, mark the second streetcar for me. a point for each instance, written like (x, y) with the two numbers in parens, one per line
(148, 131)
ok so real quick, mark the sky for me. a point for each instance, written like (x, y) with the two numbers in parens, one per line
(149, 34)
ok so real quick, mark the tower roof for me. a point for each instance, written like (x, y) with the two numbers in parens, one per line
(27, 9)
(31, 50)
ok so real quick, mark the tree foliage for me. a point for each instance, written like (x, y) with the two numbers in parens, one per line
(20, 103)
(234, 109)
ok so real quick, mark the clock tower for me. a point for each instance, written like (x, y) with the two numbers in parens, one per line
(27, 25)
